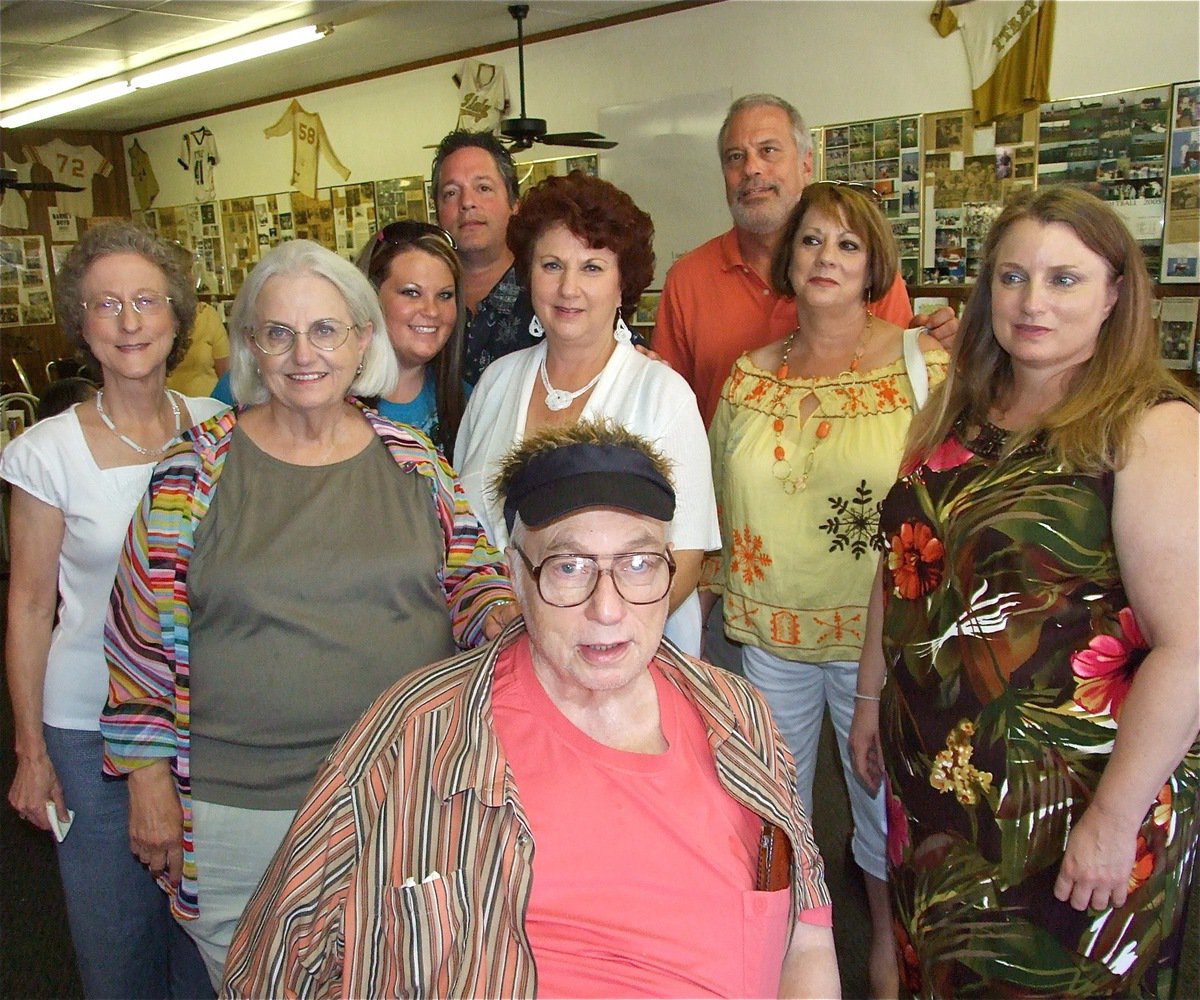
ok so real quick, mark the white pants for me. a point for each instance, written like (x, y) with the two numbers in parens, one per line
(798, 693)
(233, 848)
(684, 626)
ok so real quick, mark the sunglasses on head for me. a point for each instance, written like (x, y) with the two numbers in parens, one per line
(858, 186)
(409, 231)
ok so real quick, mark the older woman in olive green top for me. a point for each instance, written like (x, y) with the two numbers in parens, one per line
(309, 553)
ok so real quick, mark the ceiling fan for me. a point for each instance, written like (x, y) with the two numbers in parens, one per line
(9, 182)
(523, 132)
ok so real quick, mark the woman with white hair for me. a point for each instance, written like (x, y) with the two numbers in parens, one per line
(290, 561)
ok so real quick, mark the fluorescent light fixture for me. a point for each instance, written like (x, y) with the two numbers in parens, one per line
(174, 71)
(61, 105)
(228, 57)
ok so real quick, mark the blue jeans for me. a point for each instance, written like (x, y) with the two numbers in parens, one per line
(127, 944)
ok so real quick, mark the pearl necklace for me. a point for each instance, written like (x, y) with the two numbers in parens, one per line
(148, 452)
(782, 469)
(560, 399)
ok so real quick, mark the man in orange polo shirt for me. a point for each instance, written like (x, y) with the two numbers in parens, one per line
(718, 302)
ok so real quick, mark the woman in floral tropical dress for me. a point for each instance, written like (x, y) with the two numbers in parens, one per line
(1038, 614)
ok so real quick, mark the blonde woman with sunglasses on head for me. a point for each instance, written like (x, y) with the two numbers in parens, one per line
(806, 441)
(308, 553)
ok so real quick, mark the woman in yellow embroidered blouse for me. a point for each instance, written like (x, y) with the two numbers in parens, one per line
(806, 442)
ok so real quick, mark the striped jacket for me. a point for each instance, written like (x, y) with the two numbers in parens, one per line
(407, 870)
(148, 715)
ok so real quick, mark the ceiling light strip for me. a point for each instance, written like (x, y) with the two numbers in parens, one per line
(61, 105)
(167, 74)
(228, 57)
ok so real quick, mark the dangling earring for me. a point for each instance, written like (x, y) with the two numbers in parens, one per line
(536, 329)
(622, 334)
(358, 370)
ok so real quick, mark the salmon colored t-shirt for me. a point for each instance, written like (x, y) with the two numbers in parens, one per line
(643, 865)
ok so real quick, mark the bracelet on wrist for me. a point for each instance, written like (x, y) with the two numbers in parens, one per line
(865, 697)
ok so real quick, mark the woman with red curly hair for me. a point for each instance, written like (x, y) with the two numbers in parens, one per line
(586, 252)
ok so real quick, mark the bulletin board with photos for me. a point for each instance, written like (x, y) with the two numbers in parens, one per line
(197, 227)
(943, 181)
(25, 298)
(354, 219)
(1133, 149)
(401, 198)
(883, 154)
(229, 237)
(967, 175)
(1181, 230)
(254, 225)
(1113, 146)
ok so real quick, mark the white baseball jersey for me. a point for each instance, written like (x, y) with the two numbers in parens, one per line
(75, 165)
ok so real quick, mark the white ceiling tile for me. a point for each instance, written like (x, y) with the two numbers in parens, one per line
(44, 22)
(369, 36)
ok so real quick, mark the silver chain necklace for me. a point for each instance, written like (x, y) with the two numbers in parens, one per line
(560, 399)
(148, 452)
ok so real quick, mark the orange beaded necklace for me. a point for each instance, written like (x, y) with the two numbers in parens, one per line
(782, 469)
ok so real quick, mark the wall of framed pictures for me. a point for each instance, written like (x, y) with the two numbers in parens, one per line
(942, 182)
(229, 237)
(885, 155)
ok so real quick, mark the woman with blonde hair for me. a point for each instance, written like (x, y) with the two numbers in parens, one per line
(1037, 611)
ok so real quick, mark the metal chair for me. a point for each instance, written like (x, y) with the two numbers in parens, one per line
(18, 410)
(25, 383)
(61, 368)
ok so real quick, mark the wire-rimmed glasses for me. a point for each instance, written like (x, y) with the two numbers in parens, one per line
(279, 338)
(144, 303)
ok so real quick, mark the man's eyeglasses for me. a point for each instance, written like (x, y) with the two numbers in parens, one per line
(143, 303)
(409, 231)
(566, 581)
(279, 338)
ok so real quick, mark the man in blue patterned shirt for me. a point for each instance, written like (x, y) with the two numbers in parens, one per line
(475, 191)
